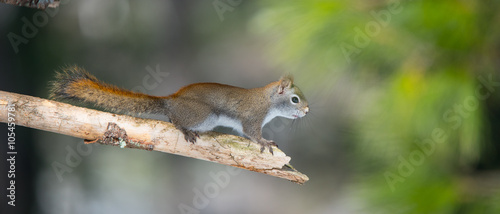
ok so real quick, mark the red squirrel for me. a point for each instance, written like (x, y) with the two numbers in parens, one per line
(194, 108)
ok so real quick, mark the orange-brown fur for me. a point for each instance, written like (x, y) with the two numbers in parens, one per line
(75, 83)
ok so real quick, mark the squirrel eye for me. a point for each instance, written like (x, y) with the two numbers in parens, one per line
(295, 99)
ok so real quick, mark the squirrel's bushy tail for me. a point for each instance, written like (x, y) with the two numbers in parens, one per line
(75, 83)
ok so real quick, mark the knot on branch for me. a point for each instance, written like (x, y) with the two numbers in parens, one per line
(117, 136)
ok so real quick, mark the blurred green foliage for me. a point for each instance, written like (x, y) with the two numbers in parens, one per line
(419, 63)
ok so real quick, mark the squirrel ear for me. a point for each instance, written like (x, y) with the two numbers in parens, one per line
(286, 82)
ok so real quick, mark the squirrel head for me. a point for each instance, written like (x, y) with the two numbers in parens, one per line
(289, 99)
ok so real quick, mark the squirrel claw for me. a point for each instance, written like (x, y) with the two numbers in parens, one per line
(272, 143)
(269, 145)
(190, 136)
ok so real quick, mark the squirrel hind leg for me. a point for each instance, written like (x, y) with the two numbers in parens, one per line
(190, 136)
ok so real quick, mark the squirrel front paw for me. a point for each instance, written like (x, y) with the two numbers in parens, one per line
(190, 136)
(267, 143)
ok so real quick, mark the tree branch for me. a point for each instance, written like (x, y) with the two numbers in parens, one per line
(126, 131)
(40, 4)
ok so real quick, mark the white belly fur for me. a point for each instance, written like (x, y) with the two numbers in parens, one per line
(222, 120)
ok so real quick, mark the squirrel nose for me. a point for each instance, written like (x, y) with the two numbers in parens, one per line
(306, 110)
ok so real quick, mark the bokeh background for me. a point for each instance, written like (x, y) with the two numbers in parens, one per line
(405, 103)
